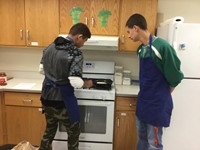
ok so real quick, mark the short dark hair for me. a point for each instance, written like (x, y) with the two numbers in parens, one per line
(138, 20)
(80, 28)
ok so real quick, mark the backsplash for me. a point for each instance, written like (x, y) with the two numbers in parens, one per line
(18, 60)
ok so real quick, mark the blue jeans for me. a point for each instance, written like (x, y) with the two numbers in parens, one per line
(149, 138)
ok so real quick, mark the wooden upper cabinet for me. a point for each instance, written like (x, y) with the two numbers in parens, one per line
(42, 21)
(88, 12)
(12, 24)
(66, 19)
(105, 17)
(147, 8)
(29, 22)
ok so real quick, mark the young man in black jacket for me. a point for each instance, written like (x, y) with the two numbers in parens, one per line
(62, 63)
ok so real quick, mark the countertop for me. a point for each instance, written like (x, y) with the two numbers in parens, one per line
(127, 90)
(23, 85)
(35, 86)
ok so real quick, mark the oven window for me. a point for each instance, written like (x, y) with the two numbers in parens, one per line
(93, 119)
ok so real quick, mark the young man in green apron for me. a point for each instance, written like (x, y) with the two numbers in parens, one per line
(158, 76)
(62, 63)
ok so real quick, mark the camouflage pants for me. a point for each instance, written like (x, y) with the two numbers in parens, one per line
(53, 116)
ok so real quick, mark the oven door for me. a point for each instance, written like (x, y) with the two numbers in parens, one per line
(96, 121)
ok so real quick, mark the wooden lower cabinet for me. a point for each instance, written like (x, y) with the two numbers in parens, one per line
(24, 119)
(125, 136)
(1, 119)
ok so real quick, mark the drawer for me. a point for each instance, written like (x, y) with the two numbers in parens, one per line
(126, 103)
(22, 99)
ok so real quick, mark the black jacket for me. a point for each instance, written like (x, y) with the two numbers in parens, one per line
(60, 60)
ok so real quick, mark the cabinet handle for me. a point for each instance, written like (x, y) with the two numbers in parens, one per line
(131, 105)
(40, 109)
(27, 35)
(118, 122)
(92, 21)
(27, 101)
(21, 34)
(86, 20)
(122, 40)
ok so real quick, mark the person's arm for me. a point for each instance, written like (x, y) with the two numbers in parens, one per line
(41, 68)
(76, 68)
(169, 64)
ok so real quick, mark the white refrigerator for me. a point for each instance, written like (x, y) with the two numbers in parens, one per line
(184, 130)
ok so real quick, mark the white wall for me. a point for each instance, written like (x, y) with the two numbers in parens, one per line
(189, 9)
(20, 59)
(127, 60)
(27, 59)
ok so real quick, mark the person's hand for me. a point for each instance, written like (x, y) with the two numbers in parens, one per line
(171, 89)
(88, 84)
(76, 82)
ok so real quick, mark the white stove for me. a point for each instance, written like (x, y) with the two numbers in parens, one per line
(97, 70)
(96, 109)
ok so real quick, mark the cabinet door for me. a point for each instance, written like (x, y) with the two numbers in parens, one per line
(125, 131)
(79, 15)
(42, 21)
(24, 123)
(24, 119)
(125, 103)
(104, 17)
(88, 14)
(12, 26)
(147, 8)
(1, 119)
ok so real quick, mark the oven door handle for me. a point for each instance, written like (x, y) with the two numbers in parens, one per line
(87, 116)
(95, 103)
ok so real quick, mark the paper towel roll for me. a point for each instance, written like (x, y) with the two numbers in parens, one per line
(177, 19)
